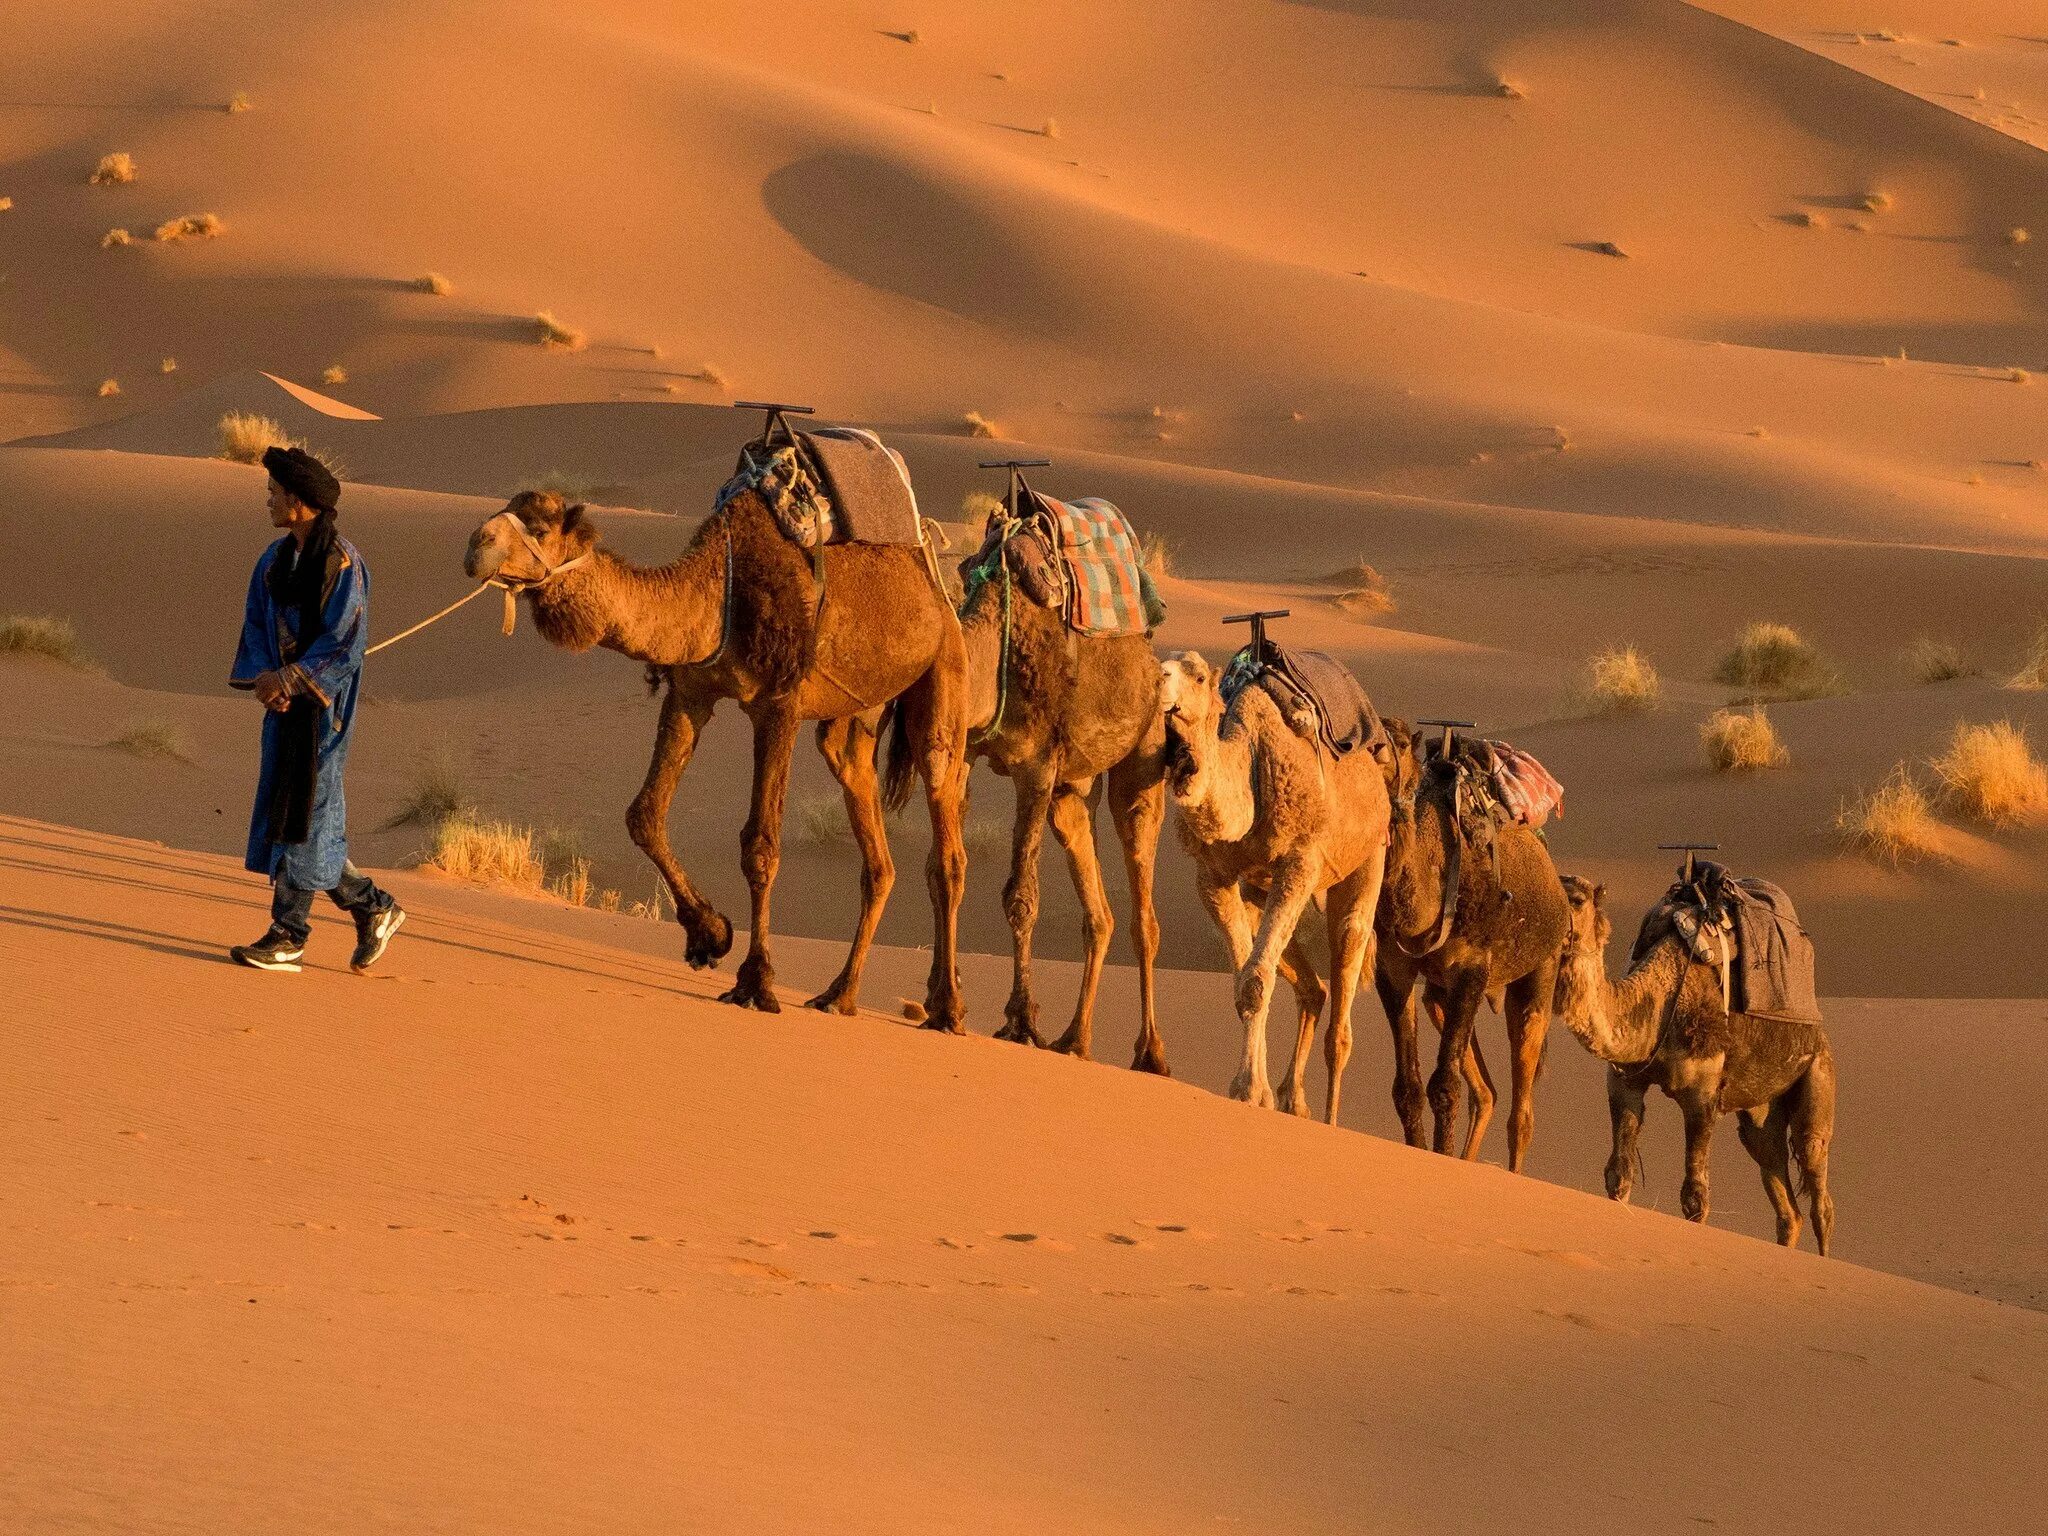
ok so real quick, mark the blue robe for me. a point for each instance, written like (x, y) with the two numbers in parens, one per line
(329, 672)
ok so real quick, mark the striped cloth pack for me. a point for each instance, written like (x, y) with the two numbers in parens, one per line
(1100, 554)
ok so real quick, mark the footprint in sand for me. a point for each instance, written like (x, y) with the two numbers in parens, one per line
(1122, 1240)
(827, 1235)
(762, 1242)
(1304, 1290)
(952, 1242)
(1032, 1237)
(757, 1269)
(1002, 1285)
(1583, 1320)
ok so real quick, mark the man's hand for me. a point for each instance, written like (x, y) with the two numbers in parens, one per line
(272, 692)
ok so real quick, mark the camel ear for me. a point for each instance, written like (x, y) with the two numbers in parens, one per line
(577, 521)
(1599, 893)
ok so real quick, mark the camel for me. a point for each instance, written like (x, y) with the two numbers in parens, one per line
(1272, 822)
(1664, 1024)
(1473, 925)
(1065, 717)
(738, 616)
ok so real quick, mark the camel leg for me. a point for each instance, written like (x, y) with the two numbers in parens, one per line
(1463, 992)
(1137, 808)
(1528, 1015)
(1478, 1081)
(1763, 1137)
(1352, 905)
(775, 725)
(1020, 898)
(1812, 1130)
(675, 740)
(1700, 1111)
(1298, 970)
(848, 747)
(1293, 884)
(935, 720)
(1073, 823)
(1394, 979)
(1227, 908)
(1625, 1109)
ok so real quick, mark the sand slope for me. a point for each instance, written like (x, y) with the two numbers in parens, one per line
(526, 1235)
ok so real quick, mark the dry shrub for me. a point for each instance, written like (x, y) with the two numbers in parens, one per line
(550, 332)
(334, 373)
(2018, 376)
(1810, 220)
(978, 506)
(109, 387)
(239, 102)
(978, 425)
(113, 170)
(715, 379)
(1877, 202)
(1936, 661)
(168, 365)
(1512, 90)
(1742, 741)
(433, 283)
(46, 639)
(1051, 130)
(1156, 554)
(1365, 595)
(608, 900)
(6, 203)
(2017, 237)
(488, 852)
(439, 793)
(1989, 774)
(2033, 672)
(244, 436)
(1892, 823)
(821, 822)
(114, 237)
(1772, 662)
(986, 837)
(1621, 681)
(190, 226)
(153, 739)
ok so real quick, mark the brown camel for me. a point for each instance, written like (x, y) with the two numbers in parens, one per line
(737, 616)
(1664, 1025)
(1271, 821)
(1064, 717)
(1470, 922)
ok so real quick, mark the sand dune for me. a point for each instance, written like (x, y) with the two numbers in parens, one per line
(493, 1252)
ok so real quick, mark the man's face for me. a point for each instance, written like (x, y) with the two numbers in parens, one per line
(286, 510)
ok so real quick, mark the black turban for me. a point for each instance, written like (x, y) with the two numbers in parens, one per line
(304, 476)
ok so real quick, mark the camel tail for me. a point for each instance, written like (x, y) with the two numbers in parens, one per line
(901, 770)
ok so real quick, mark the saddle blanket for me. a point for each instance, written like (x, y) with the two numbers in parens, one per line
(1749, 929)
(1106, 587)
(835, 485)
(1523, 785)
(1345, 718)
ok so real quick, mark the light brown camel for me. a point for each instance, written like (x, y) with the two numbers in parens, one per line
(1066, 717)
(1271, 821)
(1470, 922)
(737, 616)
(1664, 1025)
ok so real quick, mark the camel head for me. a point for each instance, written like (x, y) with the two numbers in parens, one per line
(1585, 906)
(1581, 978)
(1191, 697)
(535, 536)
(1401, 767)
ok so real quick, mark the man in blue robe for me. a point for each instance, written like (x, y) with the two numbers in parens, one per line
(303, 635)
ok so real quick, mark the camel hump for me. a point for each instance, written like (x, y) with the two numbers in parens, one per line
(1316, 693)
(1768, 954)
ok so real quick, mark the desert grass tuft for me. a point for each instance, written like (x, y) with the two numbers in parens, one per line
(438, 793)
(550, 332)
(1742, 741)
(153, 739)
(488, 852)
(334, 373)
(109, 387)
(114, 237)
(563, 865)
(987, 838)
(433, 283)
(978, 506)
(244, 437)
(44, 638)
(113, 170)
(1156, 554)
(716, 379)
(239, 103)
(1893, 823)
(1511, 90)
(190, 226)
(979, 425)
(1936, 661)
(1989, 773)
(1365, 594)
(6, 203)
(1877, 202)
(1621, 681)
(1773, 662)
(2017, 237)
(168, 365)
(1051, 130)
(820, 822)
(2033, 669)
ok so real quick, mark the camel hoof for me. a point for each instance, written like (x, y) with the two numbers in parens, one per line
(944, 1026)
(832, 1000)
(1070, 1044)
(761, 1000)
(1151, 1061)
(710, 944)
(1018, 1032)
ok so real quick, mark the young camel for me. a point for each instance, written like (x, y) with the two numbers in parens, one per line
(1057, 713)
(1470, 924)
(1664, 1025)
(1270, 821)
(737, 616)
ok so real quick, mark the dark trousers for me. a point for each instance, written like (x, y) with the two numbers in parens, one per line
(292, 909)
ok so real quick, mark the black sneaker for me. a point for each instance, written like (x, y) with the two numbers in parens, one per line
(373, 933)
(275, 951)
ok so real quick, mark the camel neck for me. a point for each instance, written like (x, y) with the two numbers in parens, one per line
(982, 628)
(1619, 1021)
(667, 614)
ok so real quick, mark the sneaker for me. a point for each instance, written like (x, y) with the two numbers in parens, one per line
(275, 951)
(373, 933)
